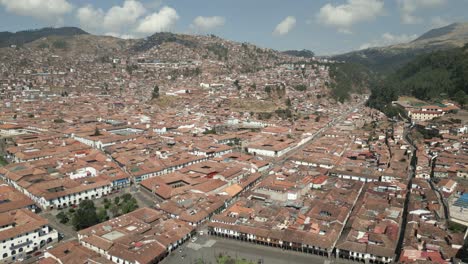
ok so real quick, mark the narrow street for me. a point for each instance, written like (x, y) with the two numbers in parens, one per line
(411, 174)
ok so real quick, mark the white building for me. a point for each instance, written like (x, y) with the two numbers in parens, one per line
(23, 232)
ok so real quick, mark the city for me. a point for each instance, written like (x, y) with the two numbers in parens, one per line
(192, 148)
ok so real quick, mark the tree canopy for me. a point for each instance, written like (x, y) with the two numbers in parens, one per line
(85, 216)
(348, 78)
(432, 77)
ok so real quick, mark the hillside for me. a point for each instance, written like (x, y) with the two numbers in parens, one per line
(82, 44)
(389, 59)
(243, 57)
(300, 53)
(27, 36)
(432, 77)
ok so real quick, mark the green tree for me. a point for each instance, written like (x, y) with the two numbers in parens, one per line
(129, 206)
(155, 93)
(237, 85)
(460, 97)
(102, 215)
(62, 217)
(117, 200)
(114, 210)
(97, 132)
(107, 203)
(300, 87)
(126, 197)
(85, 216)
(431, 77)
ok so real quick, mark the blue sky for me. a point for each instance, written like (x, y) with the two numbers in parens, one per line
(325, 27)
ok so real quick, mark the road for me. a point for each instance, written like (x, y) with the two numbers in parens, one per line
(411, 174)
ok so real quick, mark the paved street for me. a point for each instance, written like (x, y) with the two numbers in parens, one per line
(239, 250)
(67, 230)
(208, 247)
(144, 197)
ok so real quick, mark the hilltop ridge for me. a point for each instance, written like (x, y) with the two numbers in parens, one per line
(389, 58)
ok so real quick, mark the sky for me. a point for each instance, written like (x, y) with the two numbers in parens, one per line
(325, 27)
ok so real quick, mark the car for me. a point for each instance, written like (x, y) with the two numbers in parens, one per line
(194, 239)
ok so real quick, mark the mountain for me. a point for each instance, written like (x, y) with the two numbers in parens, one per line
(27, 36)
(452, 35)
(390, 58)
(300, 53)
(432, 77)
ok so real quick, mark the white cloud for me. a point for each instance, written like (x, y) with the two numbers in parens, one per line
(127, 20)
(116, 19)
(409, 7)
(285, 26)
(122, 36)
(388, 39)
(345, 15)
(205, 24)
(163, 20)
(90, 18)
(437, 22)
(50, 10)
(120, 16)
